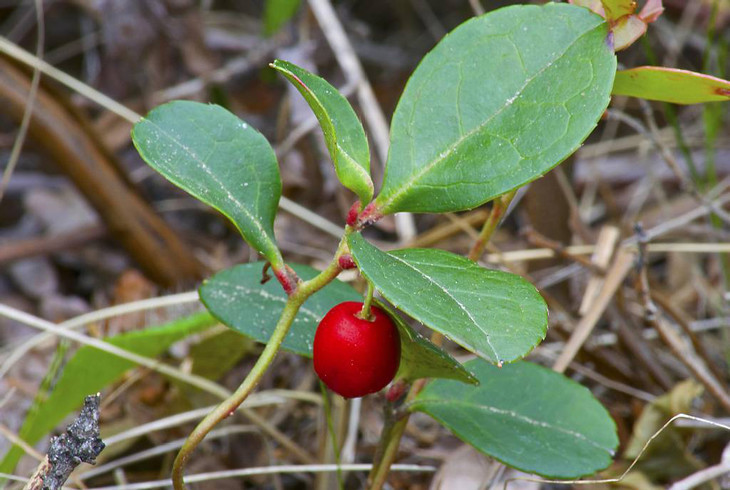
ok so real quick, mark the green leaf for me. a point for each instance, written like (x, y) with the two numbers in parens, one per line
(277, 13)
(213, 155)
(422, 359)
(497, 315)
(238, 299)
(526, 416)
(90, 370)
(342, 129)
(671, 85)
(498, 102)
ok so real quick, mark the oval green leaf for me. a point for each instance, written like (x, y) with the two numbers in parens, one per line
(497, 315)
(498, 102)
(343, 132)
(671, 85)
(422, 359)
(237, 299)
(213, 155)
(527, 417)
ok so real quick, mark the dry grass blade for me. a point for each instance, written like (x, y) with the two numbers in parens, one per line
(266, 470)
(614, 278)
(25, 121)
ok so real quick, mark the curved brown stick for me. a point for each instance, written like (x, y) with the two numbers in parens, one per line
(130, 221)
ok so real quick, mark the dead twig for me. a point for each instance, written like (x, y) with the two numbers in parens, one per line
(684, 323)
(80, 444)
(537, 239)
(671, 338)
(614, 277)
(49, 244)
(128, 218)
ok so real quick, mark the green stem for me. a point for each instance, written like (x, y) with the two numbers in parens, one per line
(499, 207)
(390, 441)
(332, 433)
(303, 291)
(365, 312)
(394, 429)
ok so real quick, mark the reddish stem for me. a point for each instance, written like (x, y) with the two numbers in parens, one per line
(346, 262)
(396, 391)
(352, 213)
(369, 215)
(287, 278)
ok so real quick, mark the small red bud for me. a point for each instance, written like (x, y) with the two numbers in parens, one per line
(345, 261)
(287, 278)
(352, 214)
(396, 391)
(369, 215)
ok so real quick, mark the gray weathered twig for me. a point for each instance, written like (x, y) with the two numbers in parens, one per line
(80, 444)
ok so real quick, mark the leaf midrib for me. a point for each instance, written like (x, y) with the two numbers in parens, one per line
(426, 402)
(208, 171)
(457, 302)
(271, 297)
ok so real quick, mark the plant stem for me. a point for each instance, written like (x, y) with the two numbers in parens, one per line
(390, 441)
(394, 429)
(499, 207)
(365, 312)
(333, 435)
(295, 300)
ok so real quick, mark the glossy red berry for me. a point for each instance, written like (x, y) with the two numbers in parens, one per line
(355, 357)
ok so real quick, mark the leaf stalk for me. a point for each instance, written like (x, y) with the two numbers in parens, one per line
(297, 297)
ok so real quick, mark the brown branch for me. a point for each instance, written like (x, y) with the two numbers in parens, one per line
(32, 247)
(79, 153)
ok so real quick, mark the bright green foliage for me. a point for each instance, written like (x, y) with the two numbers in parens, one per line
(343, 132)
(422, 359)
(500, 101)
(277, 13)
(671, 85)
(526, 416)
(497, 315)
(213, 155)
(90, 370)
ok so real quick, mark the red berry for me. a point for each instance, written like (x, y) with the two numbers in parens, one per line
(356, 357)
